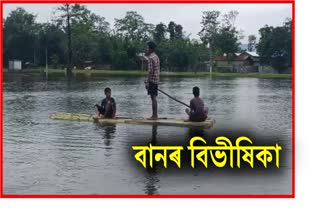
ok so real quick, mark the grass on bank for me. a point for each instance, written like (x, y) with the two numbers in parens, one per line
(98, 73)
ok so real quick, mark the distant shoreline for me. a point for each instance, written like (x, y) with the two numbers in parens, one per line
(95, 74)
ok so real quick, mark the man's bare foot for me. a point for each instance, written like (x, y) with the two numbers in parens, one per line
(152, 118)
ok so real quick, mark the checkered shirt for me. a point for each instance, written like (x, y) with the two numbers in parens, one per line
(153, 68)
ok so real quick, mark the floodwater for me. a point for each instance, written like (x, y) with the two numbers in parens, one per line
(44, 156)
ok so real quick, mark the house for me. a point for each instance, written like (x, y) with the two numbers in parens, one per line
(15, 65)
(254, 56)
(88, 65)
(238, 62)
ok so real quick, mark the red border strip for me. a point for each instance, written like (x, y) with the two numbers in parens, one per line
(155, 196)
(150, 196)
(147, 1)
(1, 96)
(293, 99)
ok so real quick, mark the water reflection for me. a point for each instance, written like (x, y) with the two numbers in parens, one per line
(152, 179)
(199, 132)
(110, 131)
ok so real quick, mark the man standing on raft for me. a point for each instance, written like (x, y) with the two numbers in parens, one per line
(153, 78)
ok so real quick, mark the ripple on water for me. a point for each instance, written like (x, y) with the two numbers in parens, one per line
(59, 157)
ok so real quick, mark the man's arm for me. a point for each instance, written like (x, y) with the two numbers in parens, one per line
(99, 108)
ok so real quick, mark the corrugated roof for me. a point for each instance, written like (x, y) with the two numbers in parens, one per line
(254, 54)
(241, 57)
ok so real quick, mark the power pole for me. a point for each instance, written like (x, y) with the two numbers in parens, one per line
(69, 67)
(47, 72)
(46, 63)
(34, 57)
(210, 55)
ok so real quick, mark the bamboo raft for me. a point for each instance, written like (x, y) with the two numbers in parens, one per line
(143, 121)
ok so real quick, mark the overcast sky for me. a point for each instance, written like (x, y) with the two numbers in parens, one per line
(251, 16)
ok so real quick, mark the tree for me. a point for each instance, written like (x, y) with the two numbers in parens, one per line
(77, 35)
(275, 45)
(100, 24)
(228, 36)
(171, 30)
(131, 34)
(229, 19)
(209, 31)
(252, 42)
(178, 31)
(133, 27)
(226, 41)
(20, 36)
(175, 31)
(52, 39)
(210, 27)
(160, 33)
(104, 50)
(54, 60)
(179, 55)
(88, 32)
(66, 17)
(222, 36)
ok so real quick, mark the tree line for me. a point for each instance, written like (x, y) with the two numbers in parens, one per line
(76, 35)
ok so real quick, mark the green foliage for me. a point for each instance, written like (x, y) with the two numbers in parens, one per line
(52, 38)
(210, 26)
(220, 33)
(181, 55)
(94, 40)
(226, 41)
(133, 27)
(171, 30)
(21, 35)
(178, 31)
(54, 60)
(160, 33)
(275, 45)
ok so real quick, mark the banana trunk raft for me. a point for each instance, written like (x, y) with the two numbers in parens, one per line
(143, 121)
